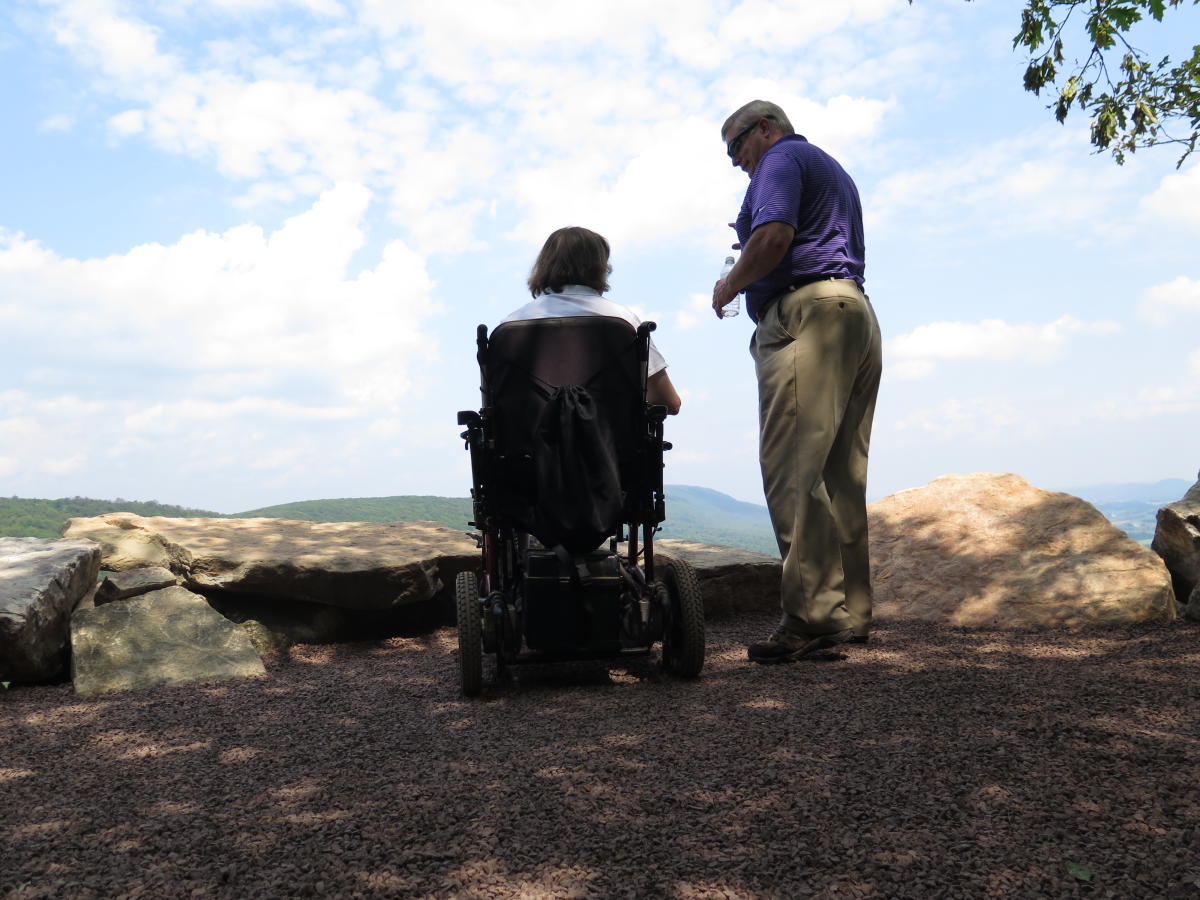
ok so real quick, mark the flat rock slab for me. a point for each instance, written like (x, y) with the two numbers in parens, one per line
(989, 549)
(732, 581)
(134, 582)
(168, 636)
(41, 581)
(354, 565)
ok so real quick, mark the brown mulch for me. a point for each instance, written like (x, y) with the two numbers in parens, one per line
(934, 762)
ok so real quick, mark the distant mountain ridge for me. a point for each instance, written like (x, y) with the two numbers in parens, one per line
(46, 518)
(1133, 507)
(1167, 490)
(693, 513)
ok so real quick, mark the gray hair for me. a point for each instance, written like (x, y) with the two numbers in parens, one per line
(755, 110)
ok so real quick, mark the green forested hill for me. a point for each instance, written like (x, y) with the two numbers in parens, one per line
(702, 514)
(452, 511)
(46, 518)
(693, 513)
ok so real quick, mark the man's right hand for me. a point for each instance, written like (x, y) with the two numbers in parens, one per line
(721, 297)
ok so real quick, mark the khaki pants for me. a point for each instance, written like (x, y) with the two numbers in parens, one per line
(817, 355)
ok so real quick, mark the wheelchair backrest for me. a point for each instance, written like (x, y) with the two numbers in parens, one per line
(524, 362)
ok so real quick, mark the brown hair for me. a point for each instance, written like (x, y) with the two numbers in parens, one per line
(571, 256)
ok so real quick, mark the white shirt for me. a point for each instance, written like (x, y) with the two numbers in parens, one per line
(578, 300)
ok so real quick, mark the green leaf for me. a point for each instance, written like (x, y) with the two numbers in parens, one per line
(1070, 89)
(1157, 8)
(5, 684)
(1124, 16)
(1079, 872)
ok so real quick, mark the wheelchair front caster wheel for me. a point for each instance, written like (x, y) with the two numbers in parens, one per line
(470, 633)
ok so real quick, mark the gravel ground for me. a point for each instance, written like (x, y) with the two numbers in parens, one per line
(934, 762)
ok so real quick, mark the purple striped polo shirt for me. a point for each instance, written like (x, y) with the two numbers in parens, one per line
(799, 183)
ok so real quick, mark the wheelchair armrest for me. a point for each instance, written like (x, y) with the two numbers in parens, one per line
(468, 417)
(656, 413)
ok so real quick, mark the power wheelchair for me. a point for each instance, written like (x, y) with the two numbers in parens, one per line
(545, 591)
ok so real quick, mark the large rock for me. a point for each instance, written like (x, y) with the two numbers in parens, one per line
(354, 565)
(169, 636)
(41, 581)
(988, 549)
(732, 581)
(1177, 541)
(133, 583)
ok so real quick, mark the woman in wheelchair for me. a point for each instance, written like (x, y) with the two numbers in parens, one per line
(568, 447)
(569, 278)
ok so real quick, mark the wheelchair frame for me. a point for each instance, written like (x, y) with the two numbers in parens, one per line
(492, 603)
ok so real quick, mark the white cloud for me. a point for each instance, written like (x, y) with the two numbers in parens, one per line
(1035, 182)
(185, 413)
(491, 112)
(975, 418)
(245, 363)
(323, 7)
(243, 301)
(915, 354)
(124, 48)
(698, 306)
(1177, 198)
(127, 124)
(1152, 402)
(57, 123)
(1193, 364)
(1158, 304)
(33, 436)
(796, 23)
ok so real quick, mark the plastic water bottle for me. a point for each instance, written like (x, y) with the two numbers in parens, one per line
(734, 306)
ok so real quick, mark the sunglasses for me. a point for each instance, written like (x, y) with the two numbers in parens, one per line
(732, 147)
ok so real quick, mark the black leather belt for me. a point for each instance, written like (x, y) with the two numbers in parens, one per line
(801, 282)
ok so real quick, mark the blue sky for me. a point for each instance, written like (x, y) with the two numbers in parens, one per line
(244, 244)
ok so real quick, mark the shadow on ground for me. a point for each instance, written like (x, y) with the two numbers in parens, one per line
(934, 762)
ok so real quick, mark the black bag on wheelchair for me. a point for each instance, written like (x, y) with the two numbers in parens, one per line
(575, 466)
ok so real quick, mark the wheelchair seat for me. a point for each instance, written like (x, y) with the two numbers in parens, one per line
(566, 448)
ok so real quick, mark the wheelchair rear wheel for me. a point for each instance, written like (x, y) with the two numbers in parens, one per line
(683, 641)
(470, 634)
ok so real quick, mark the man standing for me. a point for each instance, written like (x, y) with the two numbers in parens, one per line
(817, 355)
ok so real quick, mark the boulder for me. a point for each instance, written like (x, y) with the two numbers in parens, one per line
(989, 549)
(168, 636)
(133, 582)
(1177, 541)
(732, 581)
(353, 565)
(1191, 611)
(41, 581)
